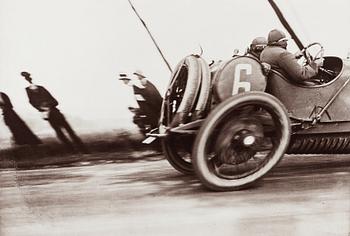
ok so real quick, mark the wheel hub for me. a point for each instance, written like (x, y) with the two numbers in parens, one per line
(249, 140)
(235, 144)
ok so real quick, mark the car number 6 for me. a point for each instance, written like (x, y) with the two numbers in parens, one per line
(237, 84)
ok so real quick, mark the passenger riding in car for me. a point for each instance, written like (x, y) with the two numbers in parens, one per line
(279, 58)
(256, 47)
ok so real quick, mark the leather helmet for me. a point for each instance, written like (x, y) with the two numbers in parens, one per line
(275, 36)
(258, 43)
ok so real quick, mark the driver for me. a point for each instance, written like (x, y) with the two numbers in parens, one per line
(279, 58)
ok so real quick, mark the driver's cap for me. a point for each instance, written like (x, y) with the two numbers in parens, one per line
(275, 36)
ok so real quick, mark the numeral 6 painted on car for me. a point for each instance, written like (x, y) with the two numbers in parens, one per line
(237, 83)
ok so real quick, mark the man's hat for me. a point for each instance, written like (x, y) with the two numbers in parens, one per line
(123, 76)
(25, 74)
(139, 73)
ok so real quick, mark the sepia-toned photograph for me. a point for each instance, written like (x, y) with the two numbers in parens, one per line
(187, 117)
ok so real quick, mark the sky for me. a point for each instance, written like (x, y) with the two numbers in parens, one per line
(76, 48)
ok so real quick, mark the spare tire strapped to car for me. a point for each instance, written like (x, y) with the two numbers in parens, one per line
(191, 89)
(193, 99)
(203, 98)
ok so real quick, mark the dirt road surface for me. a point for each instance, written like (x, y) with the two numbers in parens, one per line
(144, 195)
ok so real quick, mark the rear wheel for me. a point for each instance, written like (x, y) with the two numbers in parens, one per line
(179, 103)
(177, 150)
(240, 141)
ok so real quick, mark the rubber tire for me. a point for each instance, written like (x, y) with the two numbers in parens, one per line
(192, 88)
(197, 70)
(186, 106)
(174, 159)
(209, 179)
(203, 97)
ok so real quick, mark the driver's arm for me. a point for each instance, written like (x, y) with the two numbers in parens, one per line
(298, 54)
(290, 65)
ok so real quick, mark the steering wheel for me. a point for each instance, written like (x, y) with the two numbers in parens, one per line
(309, 59)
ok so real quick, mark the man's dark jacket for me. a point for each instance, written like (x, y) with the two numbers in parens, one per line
(153, 99)
(284, 61)
(5, 100)
(21, 133)
(150, 105)
(40, 98)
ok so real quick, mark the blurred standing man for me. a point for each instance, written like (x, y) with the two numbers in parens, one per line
(44, 102)
(21, 133)
(148, 98)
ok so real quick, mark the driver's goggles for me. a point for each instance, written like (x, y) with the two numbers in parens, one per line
(283, 40)
(260, 47)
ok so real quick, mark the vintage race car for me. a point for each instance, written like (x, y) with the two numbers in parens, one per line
(232, 122)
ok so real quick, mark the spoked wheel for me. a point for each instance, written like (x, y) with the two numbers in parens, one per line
(177, 150)
(179, 103)
(240, 141)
